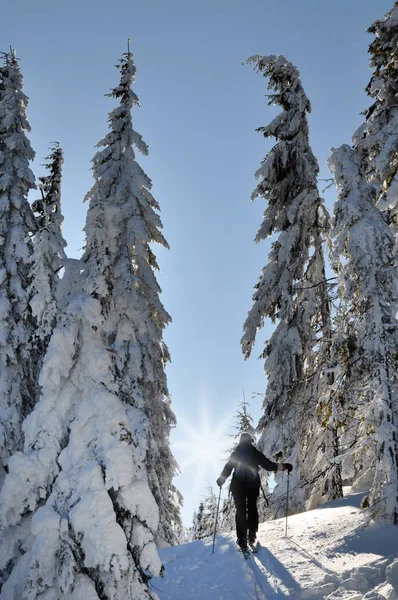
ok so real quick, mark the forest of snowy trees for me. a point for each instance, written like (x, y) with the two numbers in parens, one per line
(330, 405)
(86, 470)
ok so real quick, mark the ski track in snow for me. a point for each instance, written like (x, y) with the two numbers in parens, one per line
(328, 553)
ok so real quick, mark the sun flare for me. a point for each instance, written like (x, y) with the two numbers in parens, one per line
(203, 447)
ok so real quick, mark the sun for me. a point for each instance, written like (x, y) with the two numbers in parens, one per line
(202, 447)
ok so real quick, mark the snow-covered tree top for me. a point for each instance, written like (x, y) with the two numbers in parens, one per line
(120, 120)
(383, 50)
(122, 200)
(16, 176)
(244, 421)
(292, 153)
(123, 91)
(284, 78)
(14, 101)
(376, 140)
(48, 208)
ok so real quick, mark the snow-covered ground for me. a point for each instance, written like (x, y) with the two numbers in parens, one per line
(328, 553)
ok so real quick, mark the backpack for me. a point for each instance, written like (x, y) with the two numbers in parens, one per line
(246, 471)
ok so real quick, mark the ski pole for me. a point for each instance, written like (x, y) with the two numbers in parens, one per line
(265, 497)
(215, 524)
(287, 501)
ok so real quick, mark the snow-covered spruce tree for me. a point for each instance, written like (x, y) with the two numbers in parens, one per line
(376, 141)
(81, 482)
(197, 526)
(84, 477)
(210, 510)
(48, 251)
(122, 222)
(244, 422)
(227, 514)
(364, 257)
(291, 289)
(17, 362)
(204, 519)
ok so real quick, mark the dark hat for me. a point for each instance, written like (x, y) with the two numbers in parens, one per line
(246, 438)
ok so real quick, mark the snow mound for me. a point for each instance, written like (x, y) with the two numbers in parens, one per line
(329, 553)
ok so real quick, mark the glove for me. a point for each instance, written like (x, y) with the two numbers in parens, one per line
(220, 481)
(287, 467)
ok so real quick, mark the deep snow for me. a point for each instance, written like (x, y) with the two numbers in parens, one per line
(329, 553)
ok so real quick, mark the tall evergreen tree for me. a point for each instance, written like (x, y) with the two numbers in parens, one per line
(121, 272)
(364, 259)
(86, 474)
(376, 141)
(17, 363)
(48, 252)
(291, 289)
(376, 144)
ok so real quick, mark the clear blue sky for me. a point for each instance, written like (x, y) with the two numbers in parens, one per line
(199, 110)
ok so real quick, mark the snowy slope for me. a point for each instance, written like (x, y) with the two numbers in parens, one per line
(328, 553)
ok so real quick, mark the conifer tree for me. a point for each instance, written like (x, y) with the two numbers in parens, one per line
(17, 363)
(82, 478)
(86, 474)
(197, 523)
(291, 289)
(121, 271)
(244, 421)
(364, 258)
(210, 511)
(227, 514)
(48, 251)
(376, 141)
(204, 518)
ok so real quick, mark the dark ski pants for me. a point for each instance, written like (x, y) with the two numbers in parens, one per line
(245, 499)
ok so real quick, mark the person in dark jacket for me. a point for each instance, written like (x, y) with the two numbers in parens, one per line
(245, 461)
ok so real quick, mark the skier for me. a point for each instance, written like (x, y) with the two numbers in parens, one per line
(245, 485)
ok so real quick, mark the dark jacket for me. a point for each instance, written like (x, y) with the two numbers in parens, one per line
(245, 460)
